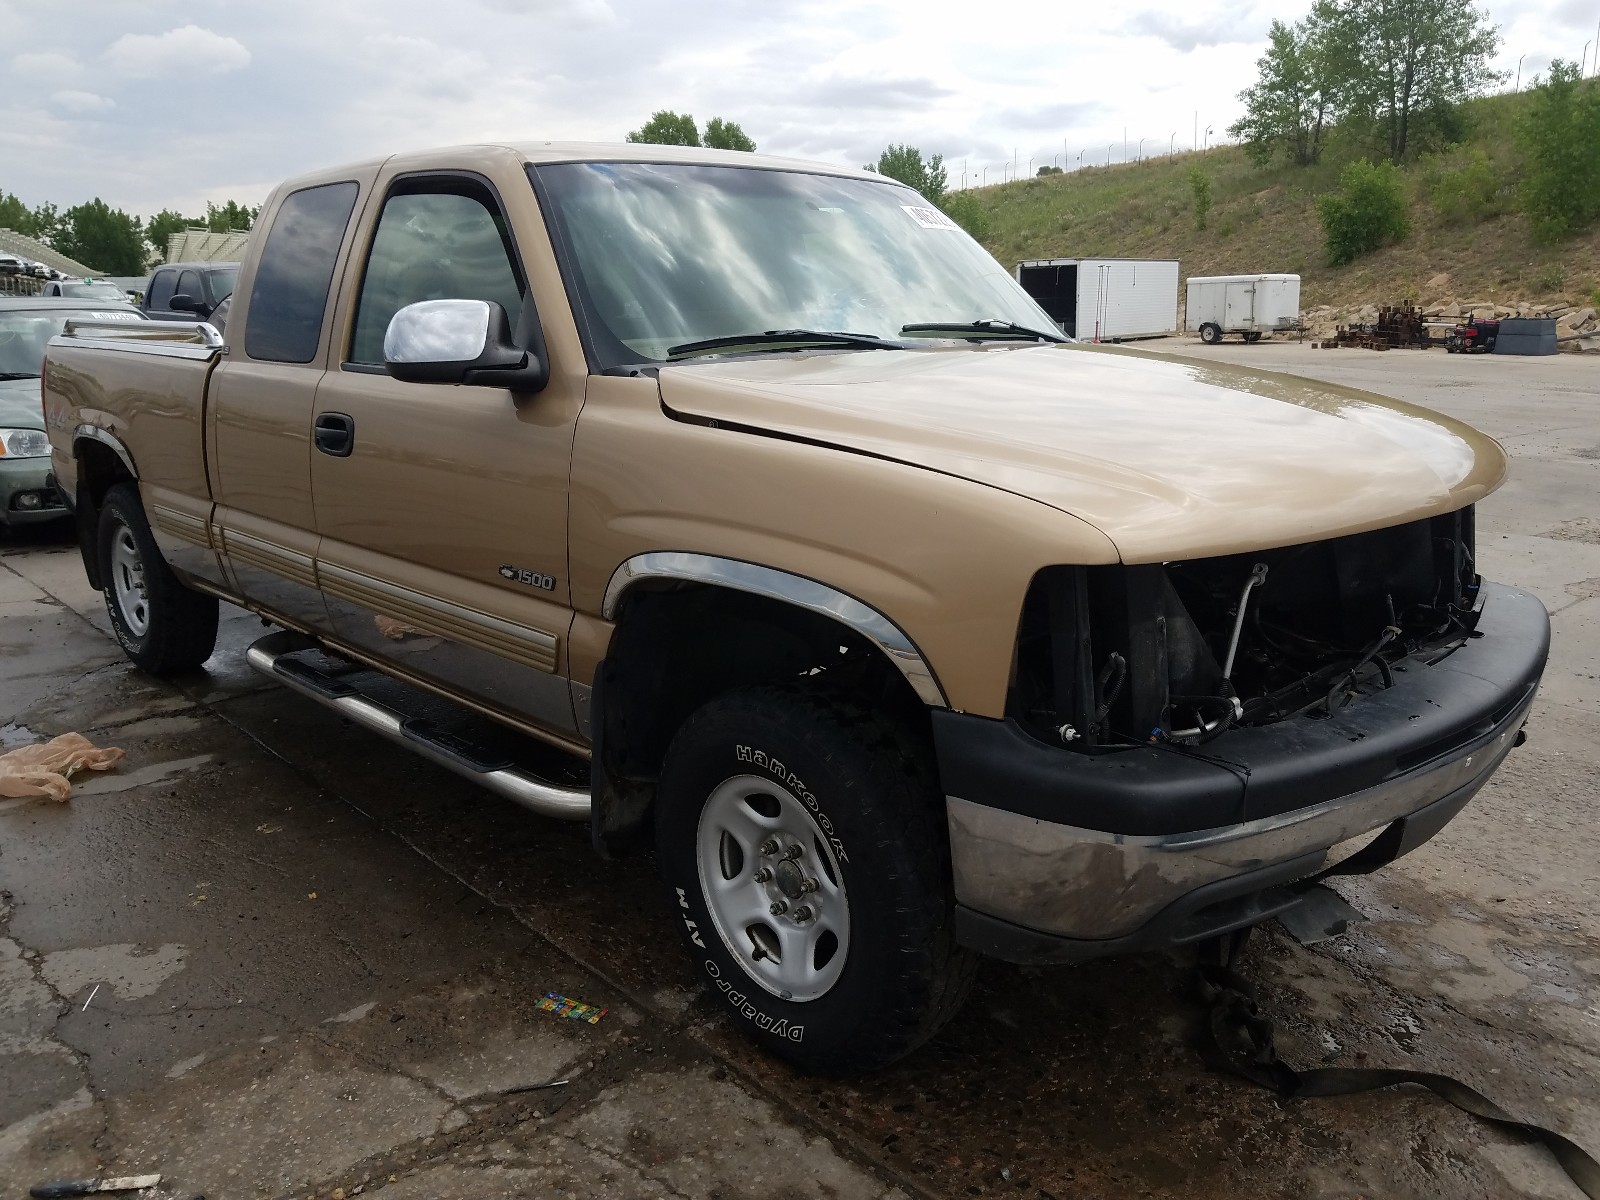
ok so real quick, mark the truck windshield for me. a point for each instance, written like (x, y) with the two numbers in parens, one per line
(663, 255)
(221, 281)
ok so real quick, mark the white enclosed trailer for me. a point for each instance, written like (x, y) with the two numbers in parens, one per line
(1249, 305)
(1105, 299)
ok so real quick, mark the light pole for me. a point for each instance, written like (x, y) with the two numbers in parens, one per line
(1142, 141)
(1207, 146)
(1518, 86)
(1080, 159)
(1172, 146)
(963, 174)
(1583, 59)
(1030, 168)
(1108, 155)
(985, 177)
(1196, 142)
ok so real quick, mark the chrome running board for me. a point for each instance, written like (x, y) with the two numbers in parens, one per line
(271, 656)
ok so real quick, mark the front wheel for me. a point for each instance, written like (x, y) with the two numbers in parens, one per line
(161, 625)
(804, 849)
(1210, 334)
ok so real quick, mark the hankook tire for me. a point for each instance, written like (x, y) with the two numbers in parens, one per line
(805, 855)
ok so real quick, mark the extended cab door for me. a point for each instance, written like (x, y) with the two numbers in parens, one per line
(443, 509)
(260, 403)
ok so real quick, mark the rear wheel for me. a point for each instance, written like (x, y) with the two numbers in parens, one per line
(161, 625)
(1252, 337)
(1210, 334)
(804, 849)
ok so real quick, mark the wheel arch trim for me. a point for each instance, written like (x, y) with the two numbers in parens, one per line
(789, 588)
(94, 433)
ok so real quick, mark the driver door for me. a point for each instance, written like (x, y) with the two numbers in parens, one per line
(443, 513)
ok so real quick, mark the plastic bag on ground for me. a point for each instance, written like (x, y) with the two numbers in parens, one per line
(45, 769)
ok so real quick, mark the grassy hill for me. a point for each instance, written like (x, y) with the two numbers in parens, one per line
(1265, 219)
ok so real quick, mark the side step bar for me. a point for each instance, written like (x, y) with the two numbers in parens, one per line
(269, 656)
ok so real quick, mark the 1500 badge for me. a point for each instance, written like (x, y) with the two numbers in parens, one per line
(531, 578)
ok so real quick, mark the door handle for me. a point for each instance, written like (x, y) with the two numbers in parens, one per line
(335, 433)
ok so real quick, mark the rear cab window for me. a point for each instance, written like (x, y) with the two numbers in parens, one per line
(290, 292)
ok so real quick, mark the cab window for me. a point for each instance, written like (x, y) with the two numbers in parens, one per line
(162, 289)
(436, 240)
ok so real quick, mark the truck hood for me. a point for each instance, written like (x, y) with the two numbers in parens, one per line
(20, 404)
(1168, 457)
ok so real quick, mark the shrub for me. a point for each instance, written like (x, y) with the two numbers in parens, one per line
(1550, 278)
(967, 211)
(1560, 141)
(1368, 211)
(1471, 191)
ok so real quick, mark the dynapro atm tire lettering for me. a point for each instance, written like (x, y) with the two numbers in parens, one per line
(763, 1021)
(792, 781)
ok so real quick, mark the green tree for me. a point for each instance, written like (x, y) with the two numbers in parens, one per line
(726, 135)
(159, 229)
(1200, 193)
(1296, 96)
(1368, 211)
(101, 237)
(38, 222)
(1047, 169)
(1560, 141)
(230, 217)
(967, 211)
(15, 215)
(906, 164)
(1412, 62)
(668, 128)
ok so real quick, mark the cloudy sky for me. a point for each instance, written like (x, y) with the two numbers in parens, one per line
(155, 104)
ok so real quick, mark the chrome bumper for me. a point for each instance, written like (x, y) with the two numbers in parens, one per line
(1081, 883)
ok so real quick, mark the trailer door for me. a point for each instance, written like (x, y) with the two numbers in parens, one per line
(1239, 307)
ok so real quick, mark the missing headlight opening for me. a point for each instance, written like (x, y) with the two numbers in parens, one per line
(1129, 655)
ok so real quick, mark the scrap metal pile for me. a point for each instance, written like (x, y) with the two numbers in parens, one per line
(1395, 327)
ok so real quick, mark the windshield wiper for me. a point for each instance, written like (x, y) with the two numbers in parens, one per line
(8, 376)
(989, 326)
(781, 337)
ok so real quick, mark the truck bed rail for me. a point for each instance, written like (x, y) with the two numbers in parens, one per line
(176, 339)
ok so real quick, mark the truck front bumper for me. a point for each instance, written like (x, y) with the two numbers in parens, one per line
(1059, 855)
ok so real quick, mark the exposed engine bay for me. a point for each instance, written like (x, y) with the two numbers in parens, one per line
(1183, 651)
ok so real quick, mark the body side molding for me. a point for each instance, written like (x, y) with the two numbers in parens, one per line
(791, 589)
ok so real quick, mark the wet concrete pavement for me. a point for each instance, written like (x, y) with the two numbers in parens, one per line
(273, 956)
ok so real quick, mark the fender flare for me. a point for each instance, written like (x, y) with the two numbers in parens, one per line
(789, 588)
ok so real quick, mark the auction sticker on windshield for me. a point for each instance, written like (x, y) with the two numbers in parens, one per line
(929, 218)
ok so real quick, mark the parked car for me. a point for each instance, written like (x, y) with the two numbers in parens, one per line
(83, 289)
(188, 291)
(26, 326)
(902, 630)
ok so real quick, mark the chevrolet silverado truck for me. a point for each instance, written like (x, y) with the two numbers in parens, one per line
(748, 510)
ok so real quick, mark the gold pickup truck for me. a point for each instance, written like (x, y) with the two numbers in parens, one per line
(756, 497)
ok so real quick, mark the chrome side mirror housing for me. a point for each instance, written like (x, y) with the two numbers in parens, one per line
(461, 342)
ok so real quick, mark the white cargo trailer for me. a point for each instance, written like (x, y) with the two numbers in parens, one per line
(1249, 305)
(1105, 299)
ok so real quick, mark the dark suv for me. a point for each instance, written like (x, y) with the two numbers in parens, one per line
(188, 291)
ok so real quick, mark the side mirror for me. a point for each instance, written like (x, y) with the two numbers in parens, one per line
(183, 302)
(461, 341)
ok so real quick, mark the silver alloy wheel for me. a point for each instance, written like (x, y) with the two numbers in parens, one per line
(773, 887)
(127, 582)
